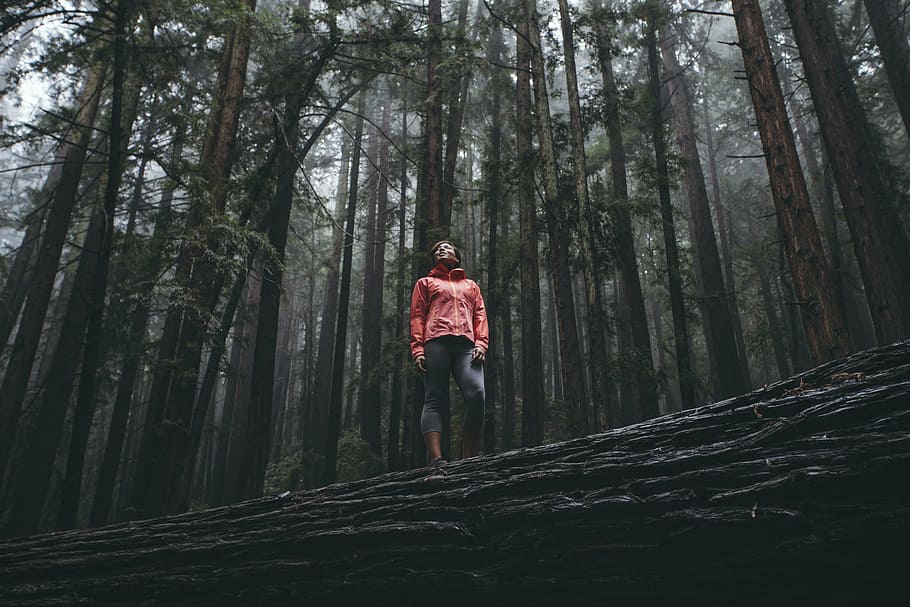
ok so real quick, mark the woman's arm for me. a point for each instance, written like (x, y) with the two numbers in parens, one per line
(419, 306)
(481, 327)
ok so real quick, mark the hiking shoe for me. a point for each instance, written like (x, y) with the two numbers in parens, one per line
(437, 467)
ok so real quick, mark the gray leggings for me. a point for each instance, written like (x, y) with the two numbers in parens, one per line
(451, 355)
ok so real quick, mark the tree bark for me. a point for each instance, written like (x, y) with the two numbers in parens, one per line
(787, 483)
(819, 306)
(877, 233)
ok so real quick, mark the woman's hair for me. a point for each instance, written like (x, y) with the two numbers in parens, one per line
(436, 246)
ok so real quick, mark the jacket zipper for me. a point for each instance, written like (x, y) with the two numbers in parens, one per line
(455, 302)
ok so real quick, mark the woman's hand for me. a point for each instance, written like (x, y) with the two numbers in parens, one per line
(421, 364)
(477, 356)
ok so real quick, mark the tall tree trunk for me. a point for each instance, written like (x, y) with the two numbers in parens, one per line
(174, 385)
(393, 448)
(532, 390)
(819, 305)
(823, 192)
(878, 236)
(727, 374)
(370, 405)
(239, 344)
(886, 18)
(645, 385)
(337, 394)
(493, 179)
(587, 231)
(677, 304)
(93, 353)
(570, 348)
(433, 169)
(34, 479)
(63, 198)
(501, 86)
(726, 248)
(457, 102)
(250, 444)
(314, 435)
(135, 336)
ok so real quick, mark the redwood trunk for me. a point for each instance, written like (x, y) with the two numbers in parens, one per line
(876, 230)
(819, 305)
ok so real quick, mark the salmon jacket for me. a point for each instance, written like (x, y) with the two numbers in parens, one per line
(447, 302)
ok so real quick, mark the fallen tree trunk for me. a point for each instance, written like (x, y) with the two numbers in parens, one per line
(797, 492)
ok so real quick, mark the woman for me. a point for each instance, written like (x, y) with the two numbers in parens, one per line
(449, 336)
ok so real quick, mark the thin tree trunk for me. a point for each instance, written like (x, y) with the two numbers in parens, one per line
(215, 493)
(727, 374)
(774, 328)
(457, 103)
(333, 426)
(726, 249)
(878, 235)
(575, 394)
(370, 404)
(886, 19)
(94, 350)
(677, 305)
(19, 276)
(645, 385)
(63, 198)
(587, 236)
(434, 176)
(393, 449)
(820, 307)
(33, 481)
(322, 386)
(532, 389)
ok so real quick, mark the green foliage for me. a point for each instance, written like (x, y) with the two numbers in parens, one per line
(355, 461)
(287, 473)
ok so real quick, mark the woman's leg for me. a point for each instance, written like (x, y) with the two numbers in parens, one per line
(469, 378)
(436, 392)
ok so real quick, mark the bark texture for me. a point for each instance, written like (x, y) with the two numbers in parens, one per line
(819, 306)
(785, 486)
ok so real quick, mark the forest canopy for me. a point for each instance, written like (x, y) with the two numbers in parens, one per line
(213, 214)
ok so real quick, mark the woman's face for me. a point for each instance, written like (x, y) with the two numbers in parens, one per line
(445, 254)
